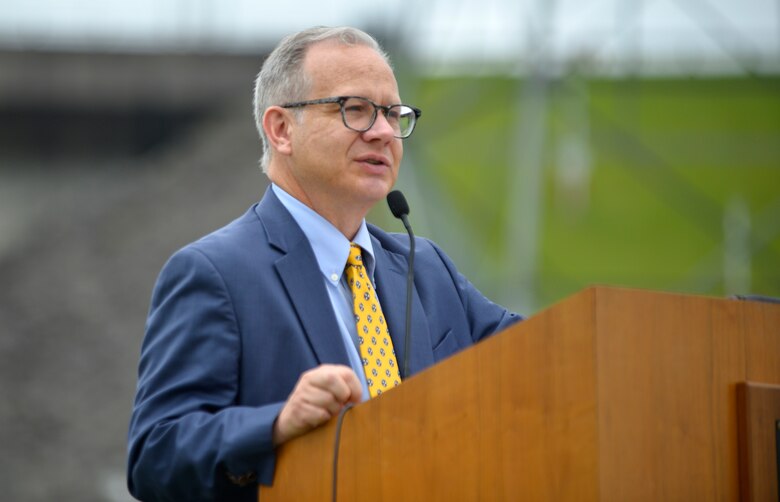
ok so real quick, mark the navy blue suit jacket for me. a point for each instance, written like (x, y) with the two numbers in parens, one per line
(236, 317)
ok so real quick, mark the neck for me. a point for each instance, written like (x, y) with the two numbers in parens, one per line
(348, 223)
(346, 217)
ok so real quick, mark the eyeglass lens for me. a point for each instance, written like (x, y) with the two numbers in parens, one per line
(360, 114)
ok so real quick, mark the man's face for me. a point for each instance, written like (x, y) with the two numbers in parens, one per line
(333, 164)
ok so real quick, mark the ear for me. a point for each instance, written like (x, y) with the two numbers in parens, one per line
(278, 124)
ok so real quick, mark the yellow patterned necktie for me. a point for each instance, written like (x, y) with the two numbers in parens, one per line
(376, 347)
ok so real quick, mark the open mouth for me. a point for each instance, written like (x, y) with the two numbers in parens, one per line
(375, 160)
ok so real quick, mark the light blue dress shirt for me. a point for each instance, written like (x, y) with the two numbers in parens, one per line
(331, 249)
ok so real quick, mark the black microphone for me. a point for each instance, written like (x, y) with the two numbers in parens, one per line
(400, 209)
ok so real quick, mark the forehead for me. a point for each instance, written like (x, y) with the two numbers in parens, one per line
(338, 69)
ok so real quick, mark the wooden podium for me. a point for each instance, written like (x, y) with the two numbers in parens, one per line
(612, 394)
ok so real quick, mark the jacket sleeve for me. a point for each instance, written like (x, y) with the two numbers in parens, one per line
(484, 317)
(189, 439)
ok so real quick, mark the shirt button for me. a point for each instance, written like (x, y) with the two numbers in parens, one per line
(334, 277)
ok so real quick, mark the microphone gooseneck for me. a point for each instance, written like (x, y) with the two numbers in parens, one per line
(400, 209)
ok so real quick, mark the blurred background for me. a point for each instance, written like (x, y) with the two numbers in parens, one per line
(562, 143)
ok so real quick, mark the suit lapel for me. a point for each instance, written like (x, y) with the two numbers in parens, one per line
(303, 282)
(390, 277)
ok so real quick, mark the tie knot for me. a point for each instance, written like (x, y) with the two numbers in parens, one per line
(355, 256)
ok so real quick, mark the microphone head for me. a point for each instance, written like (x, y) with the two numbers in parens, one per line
(397, 202)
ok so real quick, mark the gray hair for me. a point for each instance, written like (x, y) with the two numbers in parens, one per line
(282, 79)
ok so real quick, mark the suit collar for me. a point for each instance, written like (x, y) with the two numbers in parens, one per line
(330, 246)
(280, 227)
(303, 282)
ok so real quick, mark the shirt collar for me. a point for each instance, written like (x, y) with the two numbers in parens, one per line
(330, 247)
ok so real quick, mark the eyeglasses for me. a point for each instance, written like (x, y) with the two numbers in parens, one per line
(359, 114)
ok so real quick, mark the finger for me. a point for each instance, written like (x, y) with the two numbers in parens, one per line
(304, 410)
(296, 419)
(340, 381)
(324, 388)
(322, 398)
(355, 388)
(311, 416)
(351, 389)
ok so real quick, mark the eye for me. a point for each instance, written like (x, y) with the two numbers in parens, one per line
(394, 113)
(357, 106)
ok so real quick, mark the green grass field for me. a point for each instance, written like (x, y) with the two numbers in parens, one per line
(667, 184)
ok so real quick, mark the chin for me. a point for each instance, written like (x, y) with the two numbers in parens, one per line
(380, 190)
(367, 198)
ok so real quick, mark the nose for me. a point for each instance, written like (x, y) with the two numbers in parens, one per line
(380, 129)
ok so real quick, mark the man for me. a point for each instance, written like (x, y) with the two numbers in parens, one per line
(251, 338)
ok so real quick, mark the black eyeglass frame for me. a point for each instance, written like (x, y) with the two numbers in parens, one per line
(343, 99)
